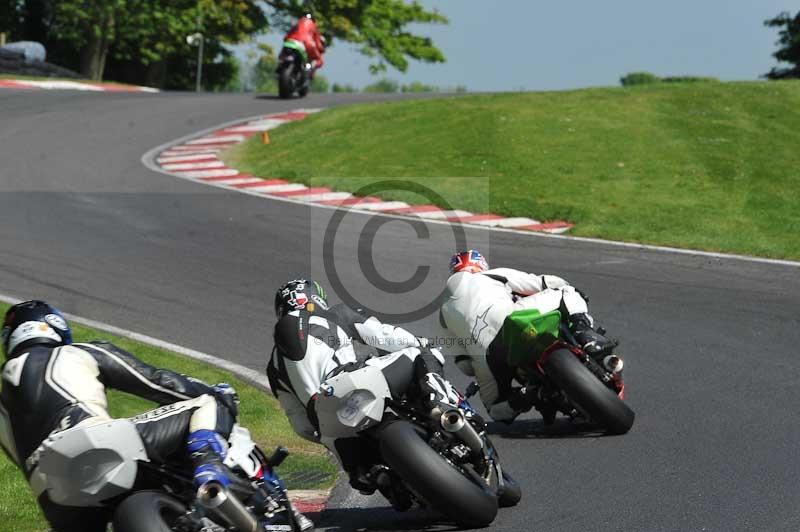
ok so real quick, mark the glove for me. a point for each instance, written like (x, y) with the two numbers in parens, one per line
(436, 389)
(226, 395)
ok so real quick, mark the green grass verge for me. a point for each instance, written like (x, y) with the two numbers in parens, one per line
(259, 412)
(707, 166)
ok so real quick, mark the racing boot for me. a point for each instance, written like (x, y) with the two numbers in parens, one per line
(592, 342)
(304, 524)
(207, 450)
(279, 521)
(271, 497)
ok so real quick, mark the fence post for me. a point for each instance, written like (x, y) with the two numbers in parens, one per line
(2, 39)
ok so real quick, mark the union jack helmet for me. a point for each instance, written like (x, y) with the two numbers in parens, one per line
(468, 261)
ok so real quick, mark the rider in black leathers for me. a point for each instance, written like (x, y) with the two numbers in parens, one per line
(51, 385)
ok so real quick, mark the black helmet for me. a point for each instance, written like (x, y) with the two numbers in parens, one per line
(299, 294)
(32, 323)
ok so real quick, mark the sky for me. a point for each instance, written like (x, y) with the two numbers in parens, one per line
(535, 45)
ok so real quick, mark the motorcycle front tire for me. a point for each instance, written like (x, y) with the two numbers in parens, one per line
(147, 511)
(442, 486)
(602, 405)
(286, 82)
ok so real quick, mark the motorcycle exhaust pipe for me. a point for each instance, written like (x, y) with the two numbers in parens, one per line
(215, 497)
(454, 422)
(613, 363)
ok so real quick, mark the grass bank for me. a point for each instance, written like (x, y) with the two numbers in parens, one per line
(259, 412)
(706, 165)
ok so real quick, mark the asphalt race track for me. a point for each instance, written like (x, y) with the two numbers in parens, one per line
(711, 345)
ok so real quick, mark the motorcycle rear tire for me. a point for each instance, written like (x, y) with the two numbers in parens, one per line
(432, 477)
(592, 396)
(147, 511)
(286, 82)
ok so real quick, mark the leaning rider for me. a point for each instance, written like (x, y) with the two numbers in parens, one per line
(314, 341)
(477, 302)
(306, 39)
(51, 385)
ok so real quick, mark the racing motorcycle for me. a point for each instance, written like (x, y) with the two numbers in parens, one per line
(294, 73)
(439, 457)
(147, 497)
(549, 360)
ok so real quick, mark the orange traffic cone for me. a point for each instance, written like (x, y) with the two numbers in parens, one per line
(264, 137)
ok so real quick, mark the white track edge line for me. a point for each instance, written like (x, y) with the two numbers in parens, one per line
(238, 370)
(148, 160)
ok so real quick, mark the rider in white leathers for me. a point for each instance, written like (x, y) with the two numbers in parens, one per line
(313, 342)
(477, 302)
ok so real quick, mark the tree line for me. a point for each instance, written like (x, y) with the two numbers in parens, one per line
(145, 41)
(261, 78)
(788, 53)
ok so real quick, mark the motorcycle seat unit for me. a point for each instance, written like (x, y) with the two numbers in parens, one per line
(87, 464)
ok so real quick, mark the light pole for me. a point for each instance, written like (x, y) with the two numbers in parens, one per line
(196, 39)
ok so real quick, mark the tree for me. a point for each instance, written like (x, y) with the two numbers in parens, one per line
(343, 88)
(789, 45)
(378, 26)
(383, 85)
(154, 39)
(23, 19)
(263, 74)
(145, 40)
(9, 19)
(418, 86)
(639, 78)
(91, 27)
(319, 83)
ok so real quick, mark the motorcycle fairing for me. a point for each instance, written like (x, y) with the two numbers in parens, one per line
(88, 464)
(351, 401)
(529, 331)
(298, 46)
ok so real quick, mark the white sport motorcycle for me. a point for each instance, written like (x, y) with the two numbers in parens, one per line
(440, 458)
(104, 465)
